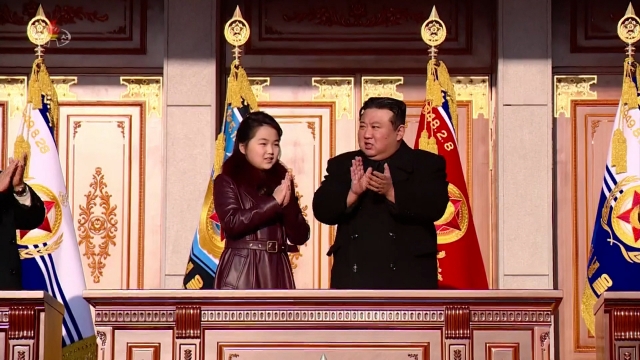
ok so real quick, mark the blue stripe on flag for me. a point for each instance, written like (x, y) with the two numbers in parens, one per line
(59, 272)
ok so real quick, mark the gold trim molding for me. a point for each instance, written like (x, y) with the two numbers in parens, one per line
(13, 90)
(381, 86)
(568, 88)
(257, 86)
(476, 90)
(146, 88)
(337, 89)
(62, 84)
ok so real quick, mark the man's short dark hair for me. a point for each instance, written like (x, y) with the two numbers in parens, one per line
(397, 107)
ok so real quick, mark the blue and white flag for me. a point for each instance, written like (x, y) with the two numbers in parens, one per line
(208, 241)
(49, 254)
(614, 257)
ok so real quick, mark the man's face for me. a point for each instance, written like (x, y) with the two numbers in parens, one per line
(376, 136)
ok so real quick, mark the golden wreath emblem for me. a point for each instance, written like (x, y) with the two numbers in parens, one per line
(625, 221)
(44, 237)
(455, 221)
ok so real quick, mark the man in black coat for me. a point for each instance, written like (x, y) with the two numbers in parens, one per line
(384, 198)
(22, 209)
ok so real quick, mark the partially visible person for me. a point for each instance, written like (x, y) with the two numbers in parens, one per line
(22, 209)
(255, 200)
(385, 199)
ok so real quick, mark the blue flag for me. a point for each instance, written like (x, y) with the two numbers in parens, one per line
(614, 257)
(208, 240)
(49, 254)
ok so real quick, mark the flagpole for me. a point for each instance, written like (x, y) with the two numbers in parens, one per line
(629, 32)
(433, 33)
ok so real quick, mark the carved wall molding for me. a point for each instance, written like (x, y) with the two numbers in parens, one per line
(97, 219)
(80, 28)
(476, 90)
(13, 90)
(339, 90)
(22, 323)
(258, 85)
(568, 88)
(188, 320)
(625, 324)
(381, 86)
(63, 84)
(457, 323)
(146, 88)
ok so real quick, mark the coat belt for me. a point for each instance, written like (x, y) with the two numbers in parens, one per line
(270, 246)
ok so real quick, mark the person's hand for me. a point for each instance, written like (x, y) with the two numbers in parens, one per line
(6, 177)
(18, 176)
(381, 183)
(280, 193)
(359, 178)
(287, 195)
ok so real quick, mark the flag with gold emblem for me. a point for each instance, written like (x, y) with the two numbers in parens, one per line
(614, 256)
(208, 240)
(50, 256)
(460, 264)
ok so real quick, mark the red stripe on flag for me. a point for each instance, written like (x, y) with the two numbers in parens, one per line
(459, 257)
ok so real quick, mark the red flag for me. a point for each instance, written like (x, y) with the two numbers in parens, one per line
(460, 264)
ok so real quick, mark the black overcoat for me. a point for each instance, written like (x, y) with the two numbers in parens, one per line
(15, 216)
(381, 244)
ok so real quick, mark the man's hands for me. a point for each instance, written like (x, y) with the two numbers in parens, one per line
(380, 183)
(13, 175)
(18, 177)
(359, 178)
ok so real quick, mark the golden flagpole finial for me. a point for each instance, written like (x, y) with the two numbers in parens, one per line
(39, 31)
(629, 30)
(433, 32)
(237, 32)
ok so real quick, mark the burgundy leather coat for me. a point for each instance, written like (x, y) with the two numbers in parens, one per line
(256, 227)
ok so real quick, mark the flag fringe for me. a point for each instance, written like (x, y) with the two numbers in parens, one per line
(85, 349)
(628, 100)
(40, 84)
(438, 79)
(588, 302)
(239, 90)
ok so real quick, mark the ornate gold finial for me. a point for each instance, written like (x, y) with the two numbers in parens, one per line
(39, 31)
(237, 32)
(629, 32)
(629, 29)
(433, 32)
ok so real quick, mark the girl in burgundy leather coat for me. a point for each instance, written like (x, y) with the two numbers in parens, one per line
(258, 210)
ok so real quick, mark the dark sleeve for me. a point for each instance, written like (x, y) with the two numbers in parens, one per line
(330, 200)
(295, 225)
(237, 222)
(426, 202)
(29, 217)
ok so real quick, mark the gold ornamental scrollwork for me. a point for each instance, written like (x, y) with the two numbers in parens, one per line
(97, 219)
(312, 127)
(337, 89)
(145, 88)
(568, 88)
(258, 85)
(62, 84)
(475, 90)
(13, 90)
(381, 86)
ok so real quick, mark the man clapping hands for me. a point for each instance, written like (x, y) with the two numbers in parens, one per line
(21, 209)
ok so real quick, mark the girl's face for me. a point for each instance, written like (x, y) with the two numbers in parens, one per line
(263, 150)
